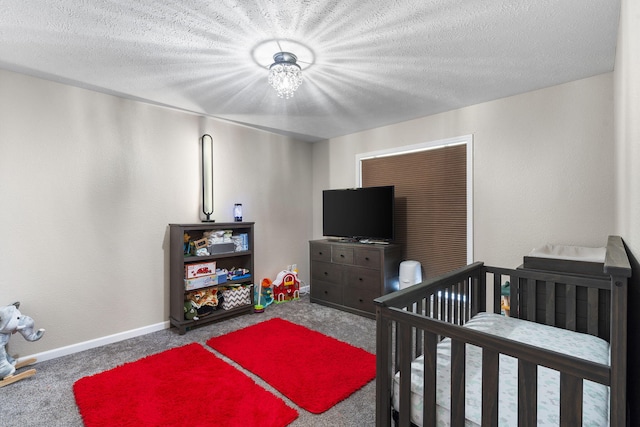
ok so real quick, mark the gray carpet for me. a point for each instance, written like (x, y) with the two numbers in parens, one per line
(46, 399)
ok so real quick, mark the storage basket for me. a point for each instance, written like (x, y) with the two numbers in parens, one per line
(236, 296)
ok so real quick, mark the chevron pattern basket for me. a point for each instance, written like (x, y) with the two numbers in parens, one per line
(235, 297)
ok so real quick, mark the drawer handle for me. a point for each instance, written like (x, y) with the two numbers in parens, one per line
(366, 258)
(320, 253)
(361, 300)
(341, 255)
(360, 279)
(326, 273)
(326, 292)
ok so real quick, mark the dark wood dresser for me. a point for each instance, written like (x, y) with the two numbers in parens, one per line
(349, 276)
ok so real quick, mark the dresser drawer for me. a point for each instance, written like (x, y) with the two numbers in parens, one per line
(370, 258)
(326, 272)
(320, 252)
(360, 298)
(342, 254)
(325, 291)
(364, 278)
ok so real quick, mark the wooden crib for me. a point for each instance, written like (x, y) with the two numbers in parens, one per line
(416, 321)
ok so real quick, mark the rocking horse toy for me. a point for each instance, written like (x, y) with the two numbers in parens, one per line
(12, 321)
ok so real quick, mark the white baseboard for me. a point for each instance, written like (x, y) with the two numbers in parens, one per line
(98, 342)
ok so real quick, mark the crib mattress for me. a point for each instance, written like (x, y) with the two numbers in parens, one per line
(596, 396)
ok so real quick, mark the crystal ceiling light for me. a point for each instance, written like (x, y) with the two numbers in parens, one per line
(285, 74)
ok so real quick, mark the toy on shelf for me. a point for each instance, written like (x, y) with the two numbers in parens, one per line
(12, 321)
(286, 287)
(239, 274)
(190, 310)
(201, 302)
(186, 247)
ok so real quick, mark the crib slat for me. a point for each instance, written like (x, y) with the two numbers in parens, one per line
(429, 389)
(480, 282)
(432, 307)
(490, 376)
(459, 290)
(419, 309)
(457, 383)
(396, 345)
(571, 307)
(469, 287)
(497, 293)
(466, 312)
(404, 337)
(592, 311)
(453, 300)
(531, 300)
(550, 307)
(384, 383)
(456, 300)
(467, 301)
(449, 304)
(475, 297)
(570, 400)
(527, 393)
(514, 299)
(456, 303)
(463, 302)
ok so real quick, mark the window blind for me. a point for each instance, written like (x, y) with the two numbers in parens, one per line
(431, 204)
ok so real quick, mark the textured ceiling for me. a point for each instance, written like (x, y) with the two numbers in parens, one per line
(366, 63)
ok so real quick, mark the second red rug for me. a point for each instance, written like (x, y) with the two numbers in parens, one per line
(313, 370)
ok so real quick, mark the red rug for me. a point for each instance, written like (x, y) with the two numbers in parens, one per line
(313, 370)
(186, 385)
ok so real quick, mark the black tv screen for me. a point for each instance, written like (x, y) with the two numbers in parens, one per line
(358, 213)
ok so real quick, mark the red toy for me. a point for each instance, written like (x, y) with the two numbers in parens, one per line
(286, 287)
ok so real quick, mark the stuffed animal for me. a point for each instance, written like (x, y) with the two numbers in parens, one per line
(190, 311)
(12, 321)
(205, 301)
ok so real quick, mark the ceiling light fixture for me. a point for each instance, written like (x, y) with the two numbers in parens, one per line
(285, 74)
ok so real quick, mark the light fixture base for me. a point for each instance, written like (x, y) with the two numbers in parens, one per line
(285, 57)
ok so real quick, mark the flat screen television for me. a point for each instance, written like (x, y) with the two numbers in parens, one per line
(364, 214)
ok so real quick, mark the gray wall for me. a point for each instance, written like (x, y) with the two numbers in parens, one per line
(88, 184)
(543, 166)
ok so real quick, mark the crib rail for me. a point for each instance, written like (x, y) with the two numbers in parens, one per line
(412, 321)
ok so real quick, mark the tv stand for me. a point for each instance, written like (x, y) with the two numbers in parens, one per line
(349, 276)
